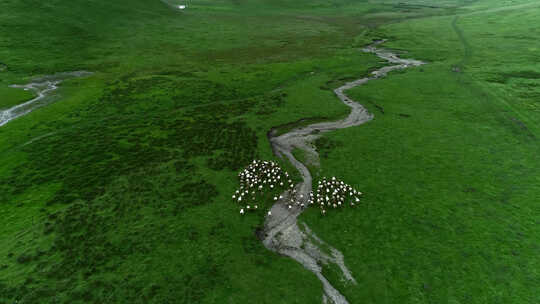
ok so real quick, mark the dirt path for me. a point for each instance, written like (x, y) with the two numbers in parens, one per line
(43, 87)
(282, 233)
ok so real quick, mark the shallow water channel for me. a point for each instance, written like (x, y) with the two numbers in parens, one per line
(43, 87)
(282, 233)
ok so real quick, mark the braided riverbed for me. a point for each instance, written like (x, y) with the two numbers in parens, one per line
(282, 234)
(43, 87)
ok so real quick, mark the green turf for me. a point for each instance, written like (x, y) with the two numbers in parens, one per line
(119, 192)
(449, 167)
(12, 97)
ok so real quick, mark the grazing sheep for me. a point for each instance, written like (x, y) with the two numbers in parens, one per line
(261, 176)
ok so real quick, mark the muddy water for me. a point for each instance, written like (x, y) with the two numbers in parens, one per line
(43, 88)
(282, 233)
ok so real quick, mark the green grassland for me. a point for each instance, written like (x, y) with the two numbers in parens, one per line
(119, 192)
(450, 165)
(12, 97)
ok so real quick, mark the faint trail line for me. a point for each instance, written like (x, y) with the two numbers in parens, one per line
(468, 53)
(504, 8)
(466, 46)
(281, 231)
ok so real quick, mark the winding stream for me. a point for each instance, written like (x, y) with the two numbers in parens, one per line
(282, 233)
(43, 87)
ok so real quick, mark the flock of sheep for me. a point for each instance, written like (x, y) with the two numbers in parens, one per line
(262, 178)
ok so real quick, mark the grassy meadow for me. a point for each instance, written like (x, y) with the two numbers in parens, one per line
(12, 97)
(119, 192)
(450, 167)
